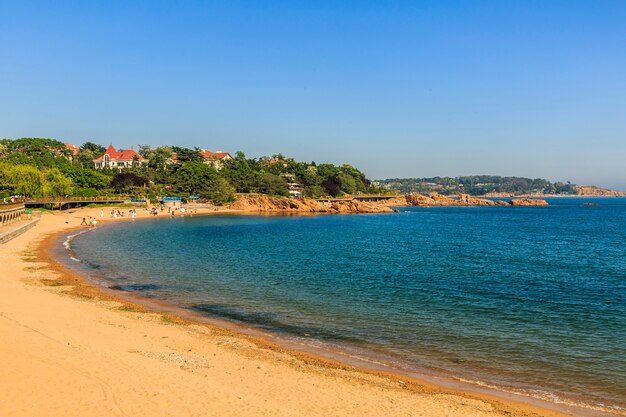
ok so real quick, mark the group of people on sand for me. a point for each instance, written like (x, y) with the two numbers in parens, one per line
(132, 213)
(91, 223)
(171, 211)
(182, 210)
(120, 213)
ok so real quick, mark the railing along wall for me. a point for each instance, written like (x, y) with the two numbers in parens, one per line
(11, 213)
(76, 199)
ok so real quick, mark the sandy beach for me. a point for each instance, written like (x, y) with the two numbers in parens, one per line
(70, 349)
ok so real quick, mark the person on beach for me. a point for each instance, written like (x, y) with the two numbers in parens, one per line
(84, 222)
(102, 213)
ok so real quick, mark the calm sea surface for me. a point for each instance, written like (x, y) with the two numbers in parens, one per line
(530, 299)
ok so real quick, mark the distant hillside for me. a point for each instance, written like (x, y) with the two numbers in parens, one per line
(478, 185)
(492, 186)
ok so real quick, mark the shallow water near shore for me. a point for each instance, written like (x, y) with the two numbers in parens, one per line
(528, 299)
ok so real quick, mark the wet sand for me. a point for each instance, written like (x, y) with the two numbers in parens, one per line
(70, 348)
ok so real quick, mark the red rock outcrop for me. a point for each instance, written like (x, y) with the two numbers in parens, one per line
(261, 203)
(528, 202)
(435, 199)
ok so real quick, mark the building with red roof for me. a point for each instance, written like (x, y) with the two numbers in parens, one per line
(118, 159)
(215, 159)
(72, 148)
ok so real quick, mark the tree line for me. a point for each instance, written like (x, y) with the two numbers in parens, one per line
(40, 167)
(477, 185)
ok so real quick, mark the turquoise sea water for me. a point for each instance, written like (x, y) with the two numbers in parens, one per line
(530, 300)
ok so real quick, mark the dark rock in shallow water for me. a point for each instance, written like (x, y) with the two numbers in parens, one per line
(136, 287)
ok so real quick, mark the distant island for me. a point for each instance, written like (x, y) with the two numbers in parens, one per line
(492, 186)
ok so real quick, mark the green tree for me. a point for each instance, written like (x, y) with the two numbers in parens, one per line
(21, 179)
(56, 184)
(94, 148)
(241, 172)
(127, 182)
(197, 178)
(86, 178)
(272, 184)
(31, 181)
(187, 155)
(218, 190)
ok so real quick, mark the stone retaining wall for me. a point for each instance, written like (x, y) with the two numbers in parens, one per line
(11, 232)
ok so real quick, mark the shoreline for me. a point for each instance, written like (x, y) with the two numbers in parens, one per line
(262, 343)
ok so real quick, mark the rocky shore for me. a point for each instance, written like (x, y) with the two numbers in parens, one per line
(436, 199)
(261, 203)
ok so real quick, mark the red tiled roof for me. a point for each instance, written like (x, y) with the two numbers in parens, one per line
(206, 154)
(215, 155)
(73, 148)
(126, 155)
(221, 155)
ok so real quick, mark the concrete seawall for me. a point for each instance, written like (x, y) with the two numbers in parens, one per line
(10, 232)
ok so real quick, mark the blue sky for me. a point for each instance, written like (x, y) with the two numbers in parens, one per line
(398, 89)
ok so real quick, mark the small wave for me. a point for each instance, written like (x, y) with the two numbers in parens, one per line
(549, 397)
(67, 244)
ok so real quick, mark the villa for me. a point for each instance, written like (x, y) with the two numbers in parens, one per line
(295, 189)
(118, 159)
(215, 159)
(72, 148)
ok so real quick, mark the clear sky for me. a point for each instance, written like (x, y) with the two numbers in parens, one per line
(398, 89)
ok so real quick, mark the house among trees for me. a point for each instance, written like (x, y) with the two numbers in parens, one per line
(118, 159)
(215, 159)
(72, 148)
(295, 189)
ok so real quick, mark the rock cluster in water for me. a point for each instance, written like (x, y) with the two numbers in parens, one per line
(436, 199)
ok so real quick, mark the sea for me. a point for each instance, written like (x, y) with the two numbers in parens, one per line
(527, 300)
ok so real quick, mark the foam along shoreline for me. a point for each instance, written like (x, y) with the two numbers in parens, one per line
(76, 349)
